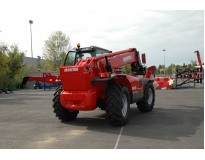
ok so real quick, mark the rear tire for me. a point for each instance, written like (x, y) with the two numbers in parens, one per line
(118, 105)
(62, 113)
(147, 102)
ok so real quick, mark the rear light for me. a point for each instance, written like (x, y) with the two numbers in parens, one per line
(58, 79)
(104, 75)
(143, 58)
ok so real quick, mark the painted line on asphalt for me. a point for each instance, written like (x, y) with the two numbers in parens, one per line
(118, 139)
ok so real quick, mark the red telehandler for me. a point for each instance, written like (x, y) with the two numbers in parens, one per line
(90, 80)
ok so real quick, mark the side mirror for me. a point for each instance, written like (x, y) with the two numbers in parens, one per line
(143, 58)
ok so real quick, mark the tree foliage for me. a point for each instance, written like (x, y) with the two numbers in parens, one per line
(55, 49)
(11, 66)
(170, 70)
(4, 69)
(15, 60)
(126, 69)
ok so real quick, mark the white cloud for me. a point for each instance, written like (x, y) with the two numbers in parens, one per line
(123, 26)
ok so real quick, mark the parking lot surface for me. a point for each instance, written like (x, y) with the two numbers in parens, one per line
(27, 121)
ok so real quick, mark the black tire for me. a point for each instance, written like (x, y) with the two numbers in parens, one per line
(35, 87)
(62, 113)
(59, 87)
(118, 105)
(147, 102)
(58, 91)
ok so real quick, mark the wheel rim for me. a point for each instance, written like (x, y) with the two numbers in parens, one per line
(124, 102)
(150, 96)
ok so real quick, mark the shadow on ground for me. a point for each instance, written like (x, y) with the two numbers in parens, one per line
(162, 124)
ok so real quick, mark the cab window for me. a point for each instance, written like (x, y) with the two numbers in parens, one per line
(100, 51)
(83, 56)
(70, 59)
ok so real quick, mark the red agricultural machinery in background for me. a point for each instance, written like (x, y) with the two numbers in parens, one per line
(183, 76)
(190, 76)
(47, 78)
(91, 78)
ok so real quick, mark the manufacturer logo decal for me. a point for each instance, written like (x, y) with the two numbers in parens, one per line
(127, 58)
(70, 69)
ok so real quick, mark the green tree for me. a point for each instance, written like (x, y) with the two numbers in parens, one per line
(194, 63)
(47, 65)
(38, 64)
(15, 64)
(15, 60)
(160, 67)
(3, 59)
(4, 68)
(21, 74)
(170, 69)
(126, 69)
(55, 49)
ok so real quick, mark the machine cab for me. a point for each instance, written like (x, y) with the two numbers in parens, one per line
(83, 53)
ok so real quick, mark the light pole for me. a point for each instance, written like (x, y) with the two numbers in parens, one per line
(164, 60)
(31, 22)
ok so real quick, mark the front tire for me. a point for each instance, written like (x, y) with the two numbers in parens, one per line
(147, 102)
(118, 105)
(59, 87)
(62, 113)
(58, 91)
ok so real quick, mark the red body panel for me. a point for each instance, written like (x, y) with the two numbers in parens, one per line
(163, 82)
(49, 78)
(132, 83)
(150, 72)
(36, 78)
(82, 100)
(77, 78)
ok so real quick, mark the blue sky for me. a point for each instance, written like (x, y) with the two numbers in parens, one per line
(169, 25)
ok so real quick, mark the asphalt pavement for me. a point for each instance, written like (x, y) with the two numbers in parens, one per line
(27, 121)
